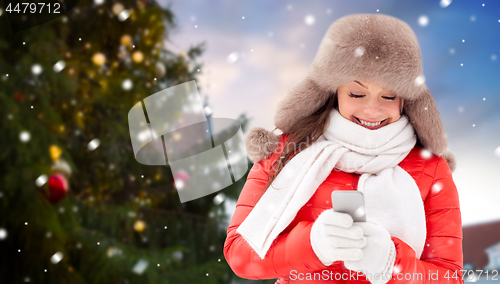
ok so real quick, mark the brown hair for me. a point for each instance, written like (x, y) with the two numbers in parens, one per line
(305, 132)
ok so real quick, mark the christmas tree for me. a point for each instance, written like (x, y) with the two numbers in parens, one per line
(76, 206)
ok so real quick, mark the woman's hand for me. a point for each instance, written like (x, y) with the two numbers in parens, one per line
(379, 253)
(334, 237)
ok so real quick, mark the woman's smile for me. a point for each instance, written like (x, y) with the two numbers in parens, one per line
(369, 124)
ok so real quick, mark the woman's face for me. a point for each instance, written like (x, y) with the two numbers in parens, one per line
(368, 104)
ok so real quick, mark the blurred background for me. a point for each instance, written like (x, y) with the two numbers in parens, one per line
(77, 207)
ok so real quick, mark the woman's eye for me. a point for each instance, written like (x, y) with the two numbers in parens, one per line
(354, 96)
(390, 98)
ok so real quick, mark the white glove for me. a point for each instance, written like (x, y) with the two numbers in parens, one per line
(334, 237)
(379, 254)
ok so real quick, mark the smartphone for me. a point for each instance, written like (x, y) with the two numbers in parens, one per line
(350, 202)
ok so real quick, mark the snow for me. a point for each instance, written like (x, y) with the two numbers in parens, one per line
(93, 144)
(56, 258)
(140, 266)
(24, 136)
(3, 233)
(127, 84)
(36, 69)
(423, 21)
(41, 180)
(309, 20)
(233, 57)
(59, 66)
(359, 51)
(497, 151)
(444, 3)
(219, 198)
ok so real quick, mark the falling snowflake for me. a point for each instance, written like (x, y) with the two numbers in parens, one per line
(425, 154)
(359, 51)
(423, 21)
(123, 15)
(309, 20)
(436, 188)
(397, 268)
(219, 198)
(140, 266)
(419, 80)
(127, 84)
(36, 69)
(59, 66)
(41, 180)
(93, 144)
(56, 258)
(233, 57)
(497, 151)
(444, 3)
(24, 136)
(3, 234)
(179, 184)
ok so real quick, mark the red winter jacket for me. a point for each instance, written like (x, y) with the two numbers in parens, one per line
(292, 259)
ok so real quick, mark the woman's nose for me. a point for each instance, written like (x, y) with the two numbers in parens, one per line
(373, 108)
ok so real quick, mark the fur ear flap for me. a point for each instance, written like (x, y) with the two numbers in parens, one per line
(450, 159)
(260, 144)
(424, 116)
(302, 100)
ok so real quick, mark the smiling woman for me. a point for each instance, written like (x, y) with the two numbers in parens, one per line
(368, 104)
(363, 119)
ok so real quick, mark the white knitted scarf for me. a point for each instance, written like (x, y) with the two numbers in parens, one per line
(392, 198)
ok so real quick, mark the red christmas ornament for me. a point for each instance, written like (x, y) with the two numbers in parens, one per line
(58, 188)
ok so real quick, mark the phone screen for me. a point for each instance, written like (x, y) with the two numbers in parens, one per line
(350, 202)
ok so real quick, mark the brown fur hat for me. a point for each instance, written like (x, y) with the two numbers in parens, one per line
(371, 47)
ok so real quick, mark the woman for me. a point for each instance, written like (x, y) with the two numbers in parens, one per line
(363, 119)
